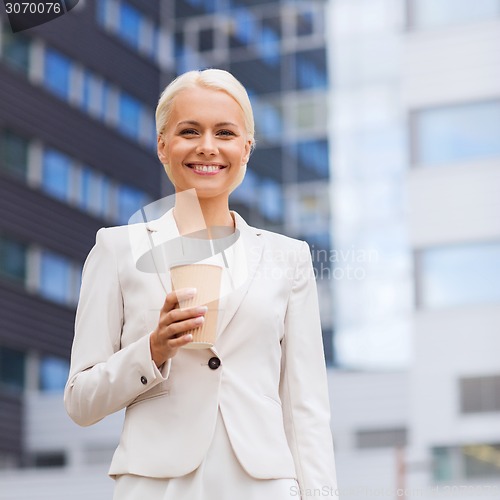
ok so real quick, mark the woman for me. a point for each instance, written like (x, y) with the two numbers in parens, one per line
(247, 418)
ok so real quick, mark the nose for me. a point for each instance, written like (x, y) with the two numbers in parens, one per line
(207, 145)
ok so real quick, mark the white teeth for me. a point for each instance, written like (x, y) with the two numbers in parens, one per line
(206, 168)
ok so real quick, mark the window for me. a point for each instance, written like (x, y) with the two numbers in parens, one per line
(129, 27)
(206, 39)
(458, 275)
(12, 369)
(271, 200)
(477, 461)
(53, 374)
(480, 394)
(12, 259)
(305, 23)
(246, 26)
(129, 115)
(381, 438)
(58, 278)
(434, 13)
(16, 50)
(310, 70)
(457, 133)
(129, 201)
(269, 120)
(269, 45)
(14, 153)
(57, 74)
(48, 459)
(56, 173)
(314, 154)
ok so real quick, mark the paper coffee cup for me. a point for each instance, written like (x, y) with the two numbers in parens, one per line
(206, 278)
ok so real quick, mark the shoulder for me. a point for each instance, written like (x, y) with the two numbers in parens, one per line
(282, 248)
(118, 237)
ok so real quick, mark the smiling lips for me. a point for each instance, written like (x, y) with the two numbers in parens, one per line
(205, 168)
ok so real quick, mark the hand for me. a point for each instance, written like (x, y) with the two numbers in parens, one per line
(168, 336)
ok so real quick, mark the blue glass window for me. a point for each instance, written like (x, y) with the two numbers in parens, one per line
(314, 155)
(102, 11)
(457, 133)
(12, 259)
(311, 70)
(246, 192)
(270, 122)
(269, 46)
(55, 277)
(129, 201)
(457, 275)
(14, 153)
(53, 374)
(129, 115)
(57, 73)
(432, 13)
(12, 369)
(246, 26)
(16, 50)
(129, 27)
(271, 202)
(56, 170)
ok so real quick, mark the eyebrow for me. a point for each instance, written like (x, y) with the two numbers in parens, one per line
(197, 124)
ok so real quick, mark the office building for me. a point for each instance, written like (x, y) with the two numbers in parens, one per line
(416, 174)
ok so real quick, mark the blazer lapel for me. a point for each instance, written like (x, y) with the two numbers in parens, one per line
(250, 253)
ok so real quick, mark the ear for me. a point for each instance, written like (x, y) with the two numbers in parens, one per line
(248, 150)
(161, 149)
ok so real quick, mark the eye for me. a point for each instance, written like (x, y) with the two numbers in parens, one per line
(226, 133)
(188, 132)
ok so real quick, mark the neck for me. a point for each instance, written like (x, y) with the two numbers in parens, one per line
(194, 214)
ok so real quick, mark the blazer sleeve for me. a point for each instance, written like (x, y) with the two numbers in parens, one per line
(303, 386)
(104, 377)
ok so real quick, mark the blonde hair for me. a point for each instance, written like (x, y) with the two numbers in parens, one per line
(215, 79)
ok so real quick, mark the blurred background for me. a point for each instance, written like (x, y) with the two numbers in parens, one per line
(378, 142)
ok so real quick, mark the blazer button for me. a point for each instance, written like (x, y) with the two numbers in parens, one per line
(214, 363)
(144, 380)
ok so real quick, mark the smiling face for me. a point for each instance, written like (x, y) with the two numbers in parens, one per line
(205, 142)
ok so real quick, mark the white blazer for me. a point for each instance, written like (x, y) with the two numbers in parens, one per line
(270, 387)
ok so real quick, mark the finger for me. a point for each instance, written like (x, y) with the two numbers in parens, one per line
(174, 297)
(180, 341)
(176, 315)
(174, 330)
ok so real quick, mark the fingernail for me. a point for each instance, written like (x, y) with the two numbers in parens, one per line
(202, 309)
(199, 319)
(190, 291)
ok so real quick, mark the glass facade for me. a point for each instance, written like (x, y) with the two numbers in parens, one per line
(456, 275)
(67, 180)
(458, 133)
(95, 96)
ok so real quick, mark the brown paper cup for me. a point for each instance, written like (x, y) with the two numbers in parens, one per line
(206, 278)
